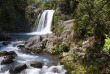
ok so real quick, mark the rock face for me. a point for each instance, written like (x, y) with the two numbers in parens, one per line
(18, 69)
(48, 42)
(31, 13)
(36, 64)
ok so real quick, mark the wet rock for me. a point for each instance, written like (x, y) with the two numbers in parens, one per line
(31, 13)
(6, 43)
(7, 60)
(55, 70)
(18, 69)
(20, 46)
(10, 56)
(36, 64)
(12, 53)
(3, 53)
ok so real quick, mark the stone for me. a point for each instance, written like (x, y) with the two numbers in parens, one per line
(20, 46)
(10, 56)
(12, 53)
(3, 53)
(36, 64)
(18, 69)
(36, 44)
(7, 60)
(55, 70)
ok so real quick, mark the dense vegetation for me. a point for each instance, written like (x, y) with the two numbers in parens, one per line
(92, 19)
(12, 15)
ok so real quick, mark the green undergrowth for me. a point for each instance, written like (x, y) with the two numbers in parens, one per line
(62, 47)
(86, 67)
(106, 48)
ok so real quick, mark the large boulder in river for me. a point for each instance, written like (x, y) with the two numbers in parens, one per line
(18, 69)
(5, 53)
(7, 60)
(36, 64)
(35, 44)
(12, 53)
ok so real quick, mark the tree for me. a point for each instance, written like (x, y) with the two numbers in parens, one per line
(92, 20)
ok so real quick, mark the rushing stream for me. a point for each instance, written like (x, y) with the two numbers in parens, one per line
(49, 63)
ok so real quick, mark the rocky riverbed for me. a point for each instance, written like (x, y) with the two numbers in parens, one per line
(14, 59)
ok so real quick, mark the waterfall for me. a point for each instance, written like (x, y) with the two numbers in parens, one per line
(44, 26)
(36, 23)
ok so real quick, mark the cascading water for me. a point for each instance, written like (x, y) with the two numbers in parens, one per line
(36, 23)
(49, 63)
(44, 26)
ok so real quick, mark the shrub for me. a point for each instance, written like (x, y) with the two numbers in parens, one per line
(64, 17)
(106, 48)
(62, 48)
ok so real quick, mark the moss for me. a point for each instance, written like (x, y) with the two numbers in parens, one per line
(80, 42)
(61, 29)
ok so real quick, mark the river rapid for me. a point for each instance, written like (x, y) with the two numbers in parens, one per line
(50, 64)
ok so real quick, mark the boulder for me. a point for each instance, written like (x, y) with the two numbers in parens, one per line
(3, 53)
(7, 60)
(35, 44)
(18, 69)
(36, 64)
(10, 56)
(20, 46)
(12, 53)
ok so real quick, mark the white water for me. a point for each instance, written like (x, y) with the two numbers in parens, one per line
(44, 26)
(36, 23)
(25, 58)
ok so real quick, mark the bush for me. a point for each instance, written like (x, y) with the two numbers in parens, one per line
(106, 48)
(62, 48)
(64, 17)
